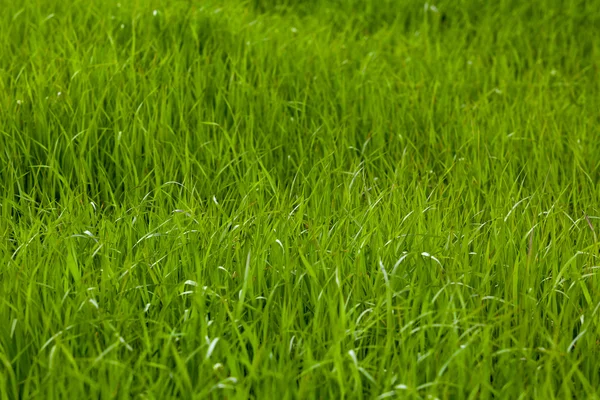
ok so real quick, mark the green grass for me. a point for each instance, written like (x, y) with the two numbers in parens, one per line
(299, 199)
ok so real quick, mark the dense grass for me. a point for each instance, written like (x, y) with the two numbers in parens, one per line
(299, 199)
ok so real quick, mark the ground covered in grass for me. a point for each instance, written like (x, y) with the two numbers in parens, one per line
(299, 199)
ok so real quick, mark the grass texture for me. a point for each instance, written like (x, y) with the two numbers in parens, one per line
(299, 199)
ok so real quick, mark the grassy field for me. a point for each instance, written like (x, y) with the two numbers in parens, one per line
(299, 199)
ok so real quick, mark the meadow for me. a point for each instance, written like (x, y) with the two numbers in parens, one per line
(310, 199)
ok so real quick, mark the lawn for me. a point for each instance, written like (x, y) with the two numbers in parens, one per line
(299, 199)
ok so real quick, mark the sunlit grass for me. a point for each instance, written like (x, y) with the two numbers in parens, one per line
(299, 199)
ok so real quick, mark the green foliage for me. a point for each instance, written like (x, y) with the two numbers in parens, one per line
(299, 199)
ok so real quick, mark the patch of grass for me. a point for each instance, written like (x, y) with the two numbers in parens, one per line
(307, 199)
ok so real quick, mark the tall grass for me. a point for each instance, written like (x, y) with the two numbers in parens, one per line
(299, 199)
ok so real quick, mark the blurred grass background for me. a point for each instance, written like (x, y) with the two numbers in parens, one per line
(304, 199)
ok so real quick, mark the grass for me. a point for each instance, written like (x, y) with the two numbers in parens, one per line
(299, 199)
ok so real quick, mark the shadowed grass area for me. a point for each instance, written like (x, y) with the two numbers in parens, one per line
(299, 199)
